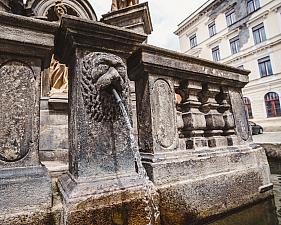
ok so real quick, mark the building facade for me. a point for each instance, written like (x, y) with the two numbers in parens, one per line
(244, 34)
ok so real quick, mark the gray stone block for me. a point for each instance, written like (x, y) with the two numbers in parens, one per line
(25, 185)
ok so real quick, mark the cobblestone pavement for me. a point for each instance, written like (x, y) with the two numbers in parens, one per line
(268, 137)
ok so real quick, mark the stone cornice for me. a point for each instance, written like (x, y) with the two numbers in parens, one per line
(26, 36)
(84, 34)
(170, 63)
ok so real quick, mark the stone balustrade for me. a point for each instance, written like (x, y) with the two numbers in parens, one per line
(194, 135)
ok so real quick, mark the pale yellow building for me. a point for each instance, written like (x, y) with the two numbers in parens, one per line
(245, 34)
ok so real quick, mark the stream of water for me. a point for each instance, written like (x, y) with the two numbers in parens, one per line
(152, 208)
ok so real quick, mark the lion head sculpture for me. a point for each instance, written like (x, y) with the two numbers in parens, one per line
(101, 72)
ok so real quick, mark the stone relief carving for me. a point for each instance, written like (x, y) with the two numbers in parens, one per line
(164, 113)
(60, 9)
(100, 73)
(120, 4)
(240, 116)
(16, 99)
(58, 77)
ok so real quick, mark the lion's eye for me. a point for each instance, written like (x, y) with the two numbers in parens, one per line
(103, 67)
(121, 69)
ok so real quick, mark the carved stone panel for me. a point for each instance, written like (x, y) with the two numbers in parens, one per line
(240, 117)
(16, 100)
(164, 113)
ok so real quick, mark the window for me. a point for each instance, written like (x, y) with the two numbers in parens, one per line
(253, 5)
(230, 17)
(212, 29)
(272, 104)
(193, 41)
(265, 67)
(235, 45)
(248, 107)
(216, 53)
(259, 33)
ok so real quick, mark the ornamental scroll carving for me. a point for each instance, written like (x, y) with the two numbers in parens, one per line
(17, 97)
(100, 73)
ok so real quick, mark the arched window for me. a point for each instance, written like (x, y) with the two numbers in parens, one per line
(272, 104)
(248, 107)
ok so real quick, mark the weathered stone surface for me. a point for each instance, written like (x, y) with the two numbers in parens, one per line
(53, 131)
(163, 113)
(102, 175)
(17, 94)
(211, 168)
(20, 171)
(44, 9)
(25, 185)
(241, 122)
(135, 18)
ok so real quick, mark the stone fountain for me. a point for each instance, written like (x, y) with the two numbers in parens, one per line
(193, 134)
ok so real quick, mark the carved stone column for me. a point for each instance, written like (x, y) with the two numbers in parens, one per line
(214, 120)
(194, 120)
(25, 186)
(102, 185)
(225, 108)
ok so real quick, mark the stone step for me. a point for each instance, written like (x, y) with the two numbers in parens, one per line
(56, 168)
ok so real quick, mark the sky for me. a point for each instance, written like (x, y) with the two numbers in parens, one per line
(166, 15)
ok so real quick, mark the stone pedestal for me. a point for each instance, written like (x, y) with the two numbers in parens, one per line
(136, 18)
(54, 129)
(184, 147)
(102, 185)
(25, 186)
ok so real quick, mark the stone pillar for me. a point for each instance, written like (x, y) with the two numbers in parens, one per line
(136, 18)
(25, 185)
(214, 120)
(193, 118)
(102, 185)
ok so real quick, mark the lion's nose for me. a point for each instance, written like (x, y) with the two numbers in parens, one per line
(110, 78)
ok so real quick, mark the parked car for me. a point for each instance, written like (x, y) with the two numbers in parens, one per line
(256, 129)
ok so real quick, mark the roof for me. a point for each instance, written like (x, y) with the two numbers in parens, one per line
(193, 15)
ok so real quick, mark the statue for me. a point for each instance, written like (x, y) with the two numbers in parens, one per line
(60, 9)
(58, 78)
(120, 4)
(102, 72)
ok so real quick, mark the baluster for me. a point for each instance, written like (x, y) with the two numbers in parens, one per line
(193, 120)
